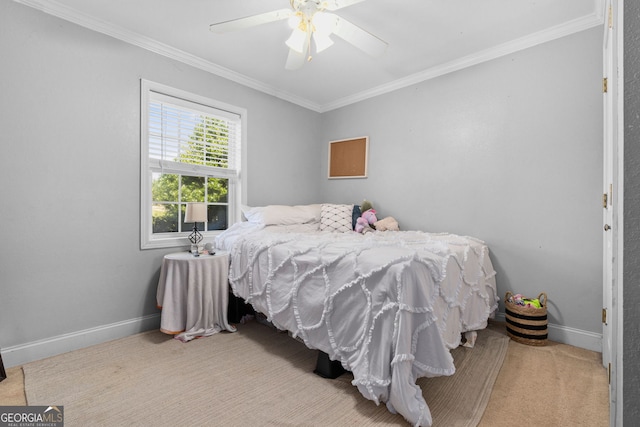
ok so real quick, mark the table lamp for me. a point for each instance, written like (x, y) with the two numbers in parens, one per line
(196, 212)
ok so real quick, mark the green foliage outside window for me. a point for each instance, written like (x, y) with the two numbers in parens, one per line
(170, 192)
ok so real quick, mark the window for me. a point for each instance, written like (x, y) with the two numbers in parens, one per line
(191, 149)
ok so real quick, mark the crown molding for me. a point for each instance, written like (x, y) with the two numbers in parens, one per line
(54, 8)
(553, 33)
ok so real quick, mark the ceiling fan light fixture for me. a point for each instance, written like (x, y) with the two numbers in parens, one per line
(295, 21)
(322, 42)
(297, 40)
(311, 22)
(323, 23)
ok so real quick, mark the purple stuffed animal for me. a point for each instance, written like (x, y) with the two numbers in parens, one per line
(370, 216)
(363, 224)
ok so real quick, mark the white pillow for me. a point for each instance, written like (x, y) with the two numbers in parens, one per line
(336, 218)
(283, 215)
(243, 210)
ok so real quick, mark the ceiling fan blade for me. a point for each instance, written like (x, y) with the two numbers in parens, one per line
(250, 21)
(363, 40)
(338, 4)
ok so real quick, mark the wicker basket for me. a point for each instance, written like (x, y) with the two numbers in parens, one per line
(527, 325)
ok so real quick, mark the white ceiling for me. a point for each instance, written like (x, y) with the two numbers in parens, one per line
(426, 38)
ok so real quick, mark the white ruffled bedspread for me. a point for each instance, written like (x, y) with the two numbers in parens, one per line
(389, 305)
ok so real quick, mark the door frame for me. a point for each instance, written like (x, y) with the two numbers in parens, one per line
(609, 81)
(613, 185)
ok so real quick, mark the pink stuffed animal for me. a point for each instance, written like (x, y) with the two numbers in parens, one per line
(370, 216)
(363, 224)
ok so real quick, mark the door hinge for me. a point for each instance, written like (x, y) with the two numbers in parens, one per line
(610, 16)
(604, 316)
(609, 369)
(604, 200)
(604, 84)
(610, 194)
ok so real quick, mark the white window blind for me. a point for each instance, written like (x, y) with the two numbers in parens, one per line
(179, 135)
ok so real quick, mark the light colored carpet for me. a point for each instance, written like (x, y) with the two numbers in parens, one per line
(556, 385)
(12, 388)
(256, 376)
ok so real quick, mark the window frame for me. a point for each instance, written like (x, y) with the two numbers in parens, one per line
(236, 183)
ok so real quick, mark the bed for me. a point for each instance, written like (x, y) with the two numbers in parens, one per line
(389, 306)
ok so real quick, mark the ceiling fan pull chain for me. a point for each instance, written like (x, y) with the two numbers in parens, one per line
(309, 31)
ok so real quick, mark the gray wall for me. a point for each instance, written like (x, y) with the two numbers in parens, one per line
(631, 269)
(509, 151)
(70, 172)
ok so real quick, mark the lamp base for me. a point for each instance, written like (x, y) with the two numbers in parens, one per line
(195, 237)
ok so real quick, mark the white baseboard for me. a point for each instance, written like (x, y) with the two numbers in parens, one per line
(36, 350)
(571, 336)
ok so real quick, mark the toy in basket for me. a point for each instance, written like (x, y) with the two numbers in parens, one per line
(526, 318)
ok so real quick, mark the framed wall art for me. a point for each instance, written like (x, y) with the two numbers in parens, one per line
(348, 158)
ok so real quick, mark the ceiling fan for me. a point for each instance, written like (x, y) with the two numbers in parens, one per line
(311, 21)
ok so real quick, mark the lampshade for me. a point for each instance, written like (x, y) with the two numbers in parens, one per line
(322, 42)
(295, 21)
(196, 212)
(323, 23)
(297, 40)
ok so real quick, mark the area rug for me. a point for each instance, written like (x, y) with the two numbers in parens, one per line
(255, 376)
